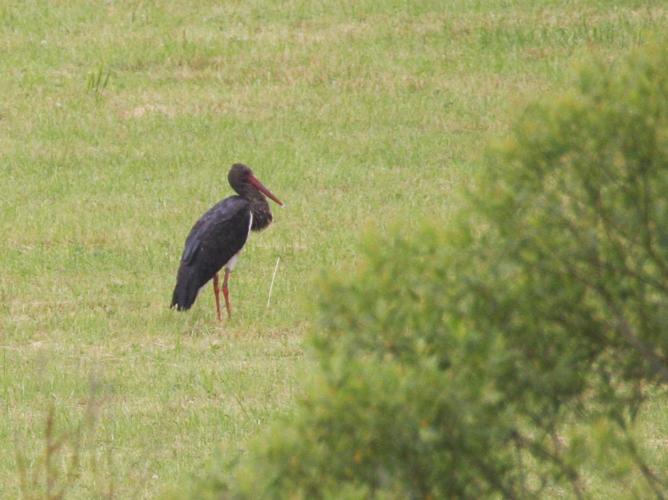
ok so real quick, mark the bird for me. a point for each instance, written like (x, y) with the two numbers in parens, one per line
(217, 238)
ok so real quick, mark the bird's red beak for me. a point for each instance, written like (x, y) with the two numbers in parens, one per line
(260, 187)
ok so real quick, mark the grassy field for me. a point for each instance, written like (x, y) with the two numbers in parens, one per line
(118, 123)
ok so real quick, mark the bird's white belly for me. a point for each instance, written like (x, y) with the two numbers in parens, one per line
(229, 265)
(232, 262)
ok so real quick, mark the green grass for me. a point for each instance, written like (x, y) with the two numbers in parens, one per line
(118, 123)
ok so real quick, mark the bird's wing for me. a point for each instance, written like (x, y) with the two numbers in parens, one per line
(222, 230)
(214, 239)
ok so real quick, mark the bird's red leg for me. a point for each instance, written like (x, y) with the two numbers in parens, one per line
(216, 292)
(226, 293)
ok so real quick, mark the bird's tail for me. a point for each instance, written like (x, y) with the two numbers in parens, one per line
(186, 289)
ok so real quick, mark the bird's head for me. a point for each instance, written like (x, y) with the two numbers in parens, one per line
(241, 178)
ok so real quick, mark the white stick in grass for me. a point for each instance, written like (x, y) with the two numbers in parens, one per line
(271, 287)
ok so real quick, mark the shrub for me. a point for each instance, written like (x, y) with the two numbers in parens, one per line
(508, 354)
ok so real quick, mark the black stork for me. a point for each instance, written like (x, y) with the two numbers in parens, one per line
(217, 238)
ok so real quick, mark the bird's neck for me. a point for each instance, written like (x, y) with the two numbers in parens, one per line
(260, 210)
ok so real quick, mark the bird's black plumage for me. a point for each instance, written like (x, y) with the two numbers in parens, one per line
(214, 239)
(220, 234)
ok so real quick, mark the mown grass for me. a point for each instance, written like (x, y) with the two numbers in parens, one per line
(118, 123)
